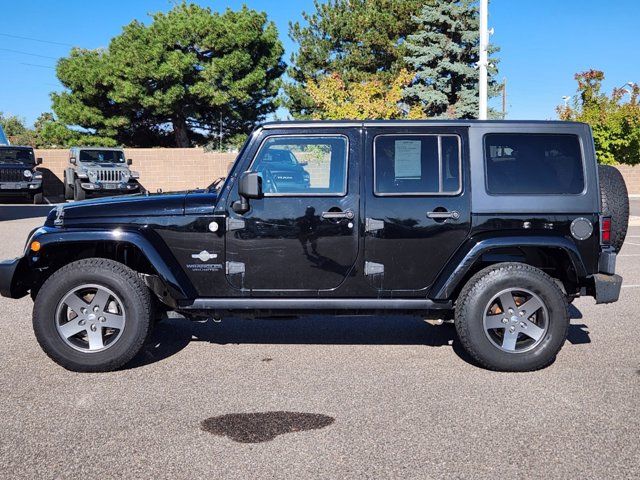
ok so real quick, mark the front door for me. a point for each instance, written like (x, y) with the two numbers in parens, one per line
(302, 235)
(417, 207)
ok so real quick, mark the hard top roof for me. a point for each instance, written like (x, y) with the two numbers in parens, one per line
(21, 147)
(407, 123)
(117, 149)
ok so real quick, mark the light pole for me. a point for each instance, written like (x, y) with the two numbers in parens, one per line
(483, 60)
(624, 88)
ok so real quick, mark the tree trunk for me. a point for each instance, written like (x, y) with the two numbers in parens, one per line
(180, 132)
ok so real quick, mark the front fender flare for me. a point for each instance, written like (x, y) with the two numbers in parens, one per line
(459, 265)
(157, 253)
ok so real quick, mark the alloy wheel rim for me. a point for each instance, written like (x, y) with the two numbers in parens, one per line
(515, 320)
(90, 318)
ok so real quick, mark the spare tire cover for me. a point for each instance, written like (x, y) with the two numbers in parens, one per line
(615, 203)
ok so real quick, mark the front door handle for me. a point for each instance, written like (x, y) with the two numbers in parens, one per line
(443, 215)
(337, 215)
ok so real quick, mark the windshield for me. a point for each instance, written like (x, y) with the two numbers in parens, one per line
(3, 137)
(17, 156)
(280, 156)
(102, 156)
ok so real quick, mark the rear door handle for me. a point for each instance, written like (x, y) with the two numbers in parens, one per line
(348, 214)
(444, 215)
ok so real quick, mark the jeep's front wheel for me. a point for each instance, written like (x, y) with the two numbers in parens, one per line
(68, 188)
(78, 191)
(512, 317)
(92, 315)
(37, 198)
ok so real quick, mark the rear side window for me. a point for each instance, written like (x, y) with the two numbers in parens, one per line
(533, 164)
(417, 164)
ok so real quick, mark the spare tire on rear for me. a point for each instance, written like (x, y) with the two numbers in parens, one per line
(615, 203)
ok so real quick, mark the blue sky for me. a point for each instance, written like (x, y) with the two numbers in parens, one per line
(544, 43)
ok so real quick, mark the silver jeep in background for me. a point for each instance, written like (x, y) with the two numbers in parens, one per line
(98, 171)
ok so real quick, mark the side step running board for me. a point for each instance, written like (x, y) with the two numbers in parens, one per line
(316, 304)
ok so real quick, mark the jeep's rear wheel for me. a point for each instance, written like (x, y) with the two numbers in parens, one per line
(78, 191)
(92, 315)
(512, 317)
(615, 203)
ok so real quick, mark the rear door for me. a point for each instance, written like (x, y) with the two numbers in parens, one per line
(417, 210)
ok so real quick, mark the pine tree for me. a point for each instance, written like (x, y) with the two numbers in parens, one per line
(443, 53)
(359, 40)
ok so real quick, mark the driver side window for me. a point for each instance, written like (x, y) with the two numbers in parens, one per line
(298, 165)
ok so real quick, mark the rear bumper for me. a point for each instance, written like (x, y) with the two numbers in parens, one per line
(10, 284)
(607, 287)
(606, 284)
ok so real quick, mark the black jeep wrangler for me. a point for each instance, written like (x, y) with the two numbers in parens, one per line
(495, 225)
(18, 174)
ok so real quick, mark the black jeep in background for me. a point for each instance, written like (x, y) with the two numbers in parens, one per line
(494, 225)
(18, 174)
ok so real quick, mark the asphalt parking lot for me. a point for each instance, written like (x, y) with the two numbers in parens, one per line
(325, 397)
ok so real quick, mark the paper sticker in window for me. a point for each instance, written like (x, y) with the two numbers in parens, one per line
(408, 157)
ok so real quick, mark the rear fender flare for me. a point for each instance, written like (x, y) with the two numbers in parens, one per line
(459, 265)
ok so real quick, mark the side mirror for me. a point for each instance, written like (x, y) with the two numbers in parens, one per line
(303, 164)
(129, 161)
(38, 161)
(249, 186)
(72, 161)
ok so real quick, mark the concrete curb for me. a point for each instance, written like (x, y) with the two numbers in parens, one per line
(634, 221)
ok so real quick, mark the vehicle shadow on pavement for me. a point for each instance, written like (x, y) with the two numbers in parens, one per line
(173, 334)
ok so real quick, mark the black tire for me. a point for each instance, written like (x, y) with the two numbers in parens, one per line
(37, 198)
(118, 278)
(78, 192)
(474, 299)
(615, 203)
(68, 189)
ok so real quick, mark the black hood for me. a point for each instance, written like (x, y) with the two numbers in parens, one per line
(140, 205)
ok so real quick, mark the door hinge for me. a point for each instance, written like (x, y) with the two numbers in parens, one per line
(234, 224)
(371, 225)
(371, 268)
(233, 268)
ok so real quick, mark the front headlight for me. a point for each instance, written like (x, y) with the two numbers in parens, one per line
(27, 174)
(93, 175)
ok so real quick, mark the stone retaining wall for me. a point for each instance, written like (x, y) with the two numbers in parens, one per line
(170, 169)
(174, 169)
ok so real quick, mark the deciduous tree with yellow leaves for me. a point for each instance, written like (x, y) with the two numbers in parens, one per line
(370, 99)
